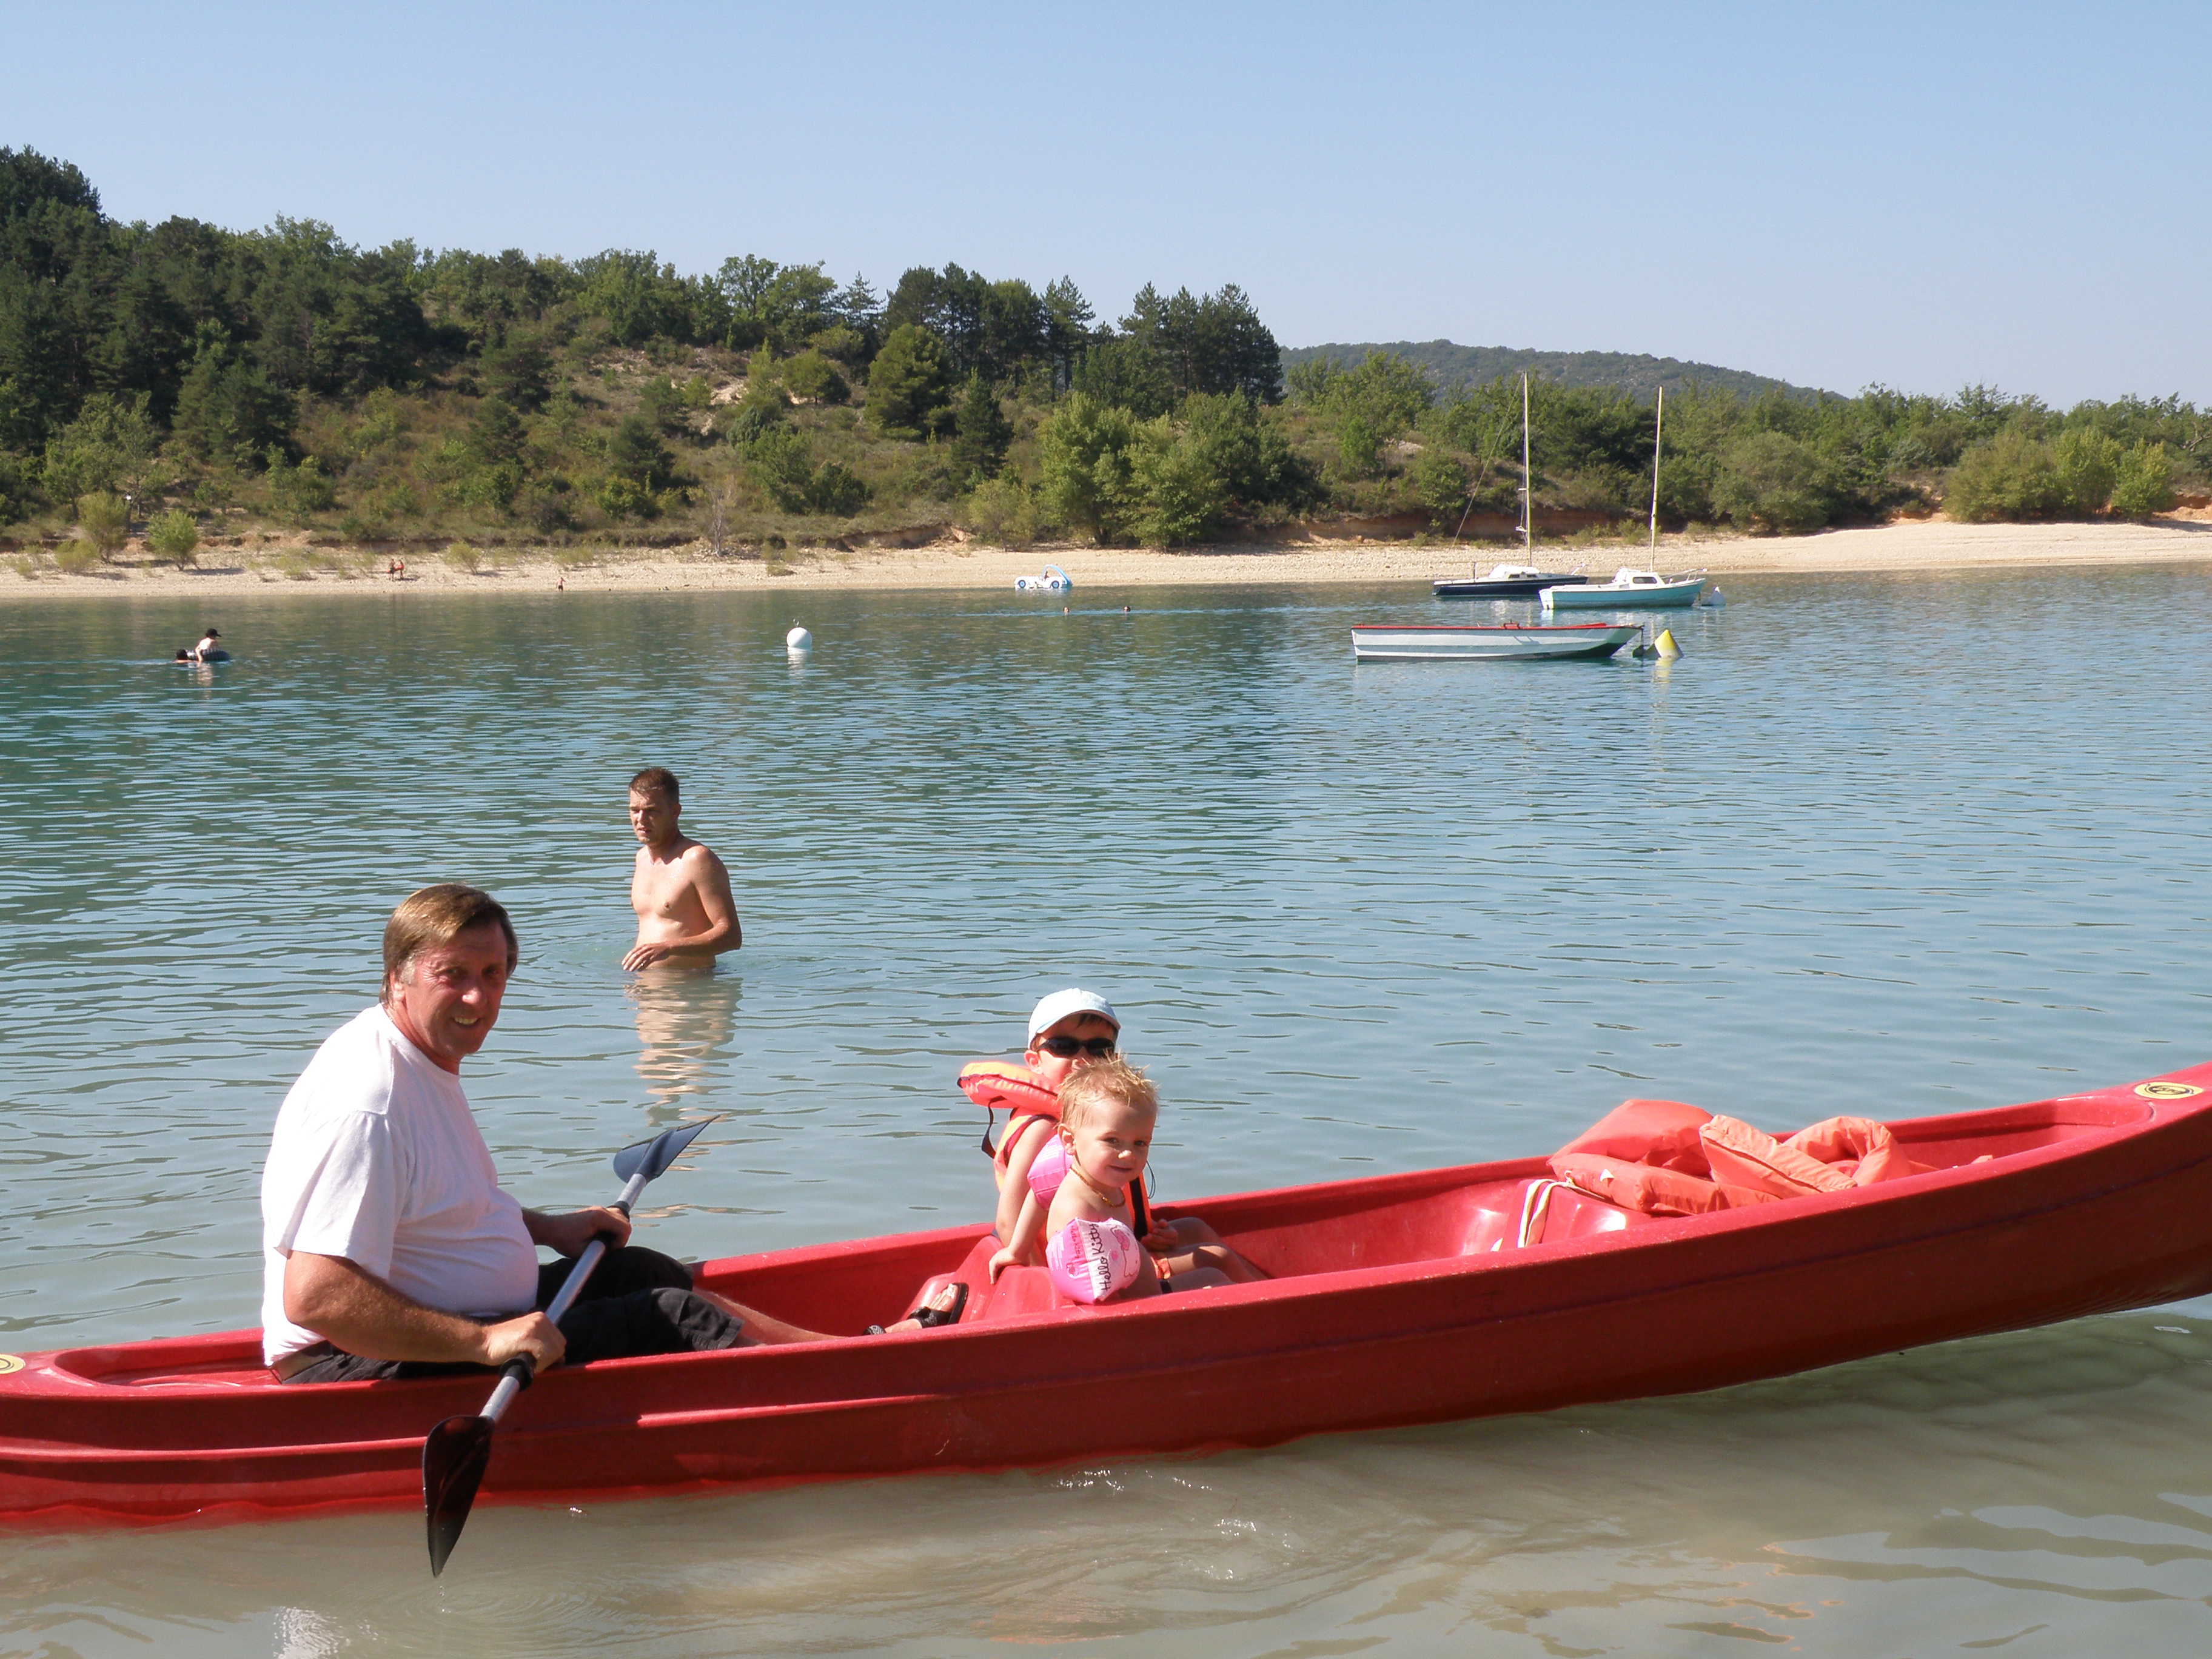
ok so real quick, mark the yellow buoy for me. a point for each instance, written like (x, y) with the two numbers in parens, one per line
(1666, 646)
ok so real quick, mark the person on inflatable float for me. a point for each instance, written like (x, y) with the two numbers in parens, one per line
(1108, 1111)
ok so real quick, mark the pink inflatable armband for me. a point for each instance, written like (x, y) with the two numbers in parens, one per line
(1091, 1260)
(1049, 1170)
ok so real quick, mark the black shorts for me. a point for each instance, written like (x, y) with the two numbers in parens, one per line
(637, 1302)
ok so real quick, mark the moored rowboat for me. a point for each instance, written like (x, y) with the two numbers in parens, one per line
(1399, 1299)
(1504, 643)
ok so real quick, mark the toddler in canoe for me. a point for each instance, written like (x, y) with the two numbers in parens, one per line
(1069, 1029)
(1079, 1206)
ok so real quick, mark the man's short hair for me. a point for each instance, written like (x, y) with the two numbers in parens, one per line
(658, 780)
(439, 915)
(1083, 1092)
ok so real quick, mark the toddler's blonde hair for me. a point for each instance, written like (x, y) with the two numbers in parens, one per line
(1083, 1092)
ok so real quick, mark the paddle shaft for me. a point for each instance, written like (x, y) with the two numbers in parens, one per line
(456, 1452)
(518, 1372)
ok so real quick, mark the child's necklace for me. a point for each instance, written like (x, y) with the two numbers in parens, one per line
(1114, 1201)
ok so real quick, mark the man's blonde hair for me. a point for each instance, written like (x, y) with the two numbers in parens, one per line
(439, 915)
(1083, 1092)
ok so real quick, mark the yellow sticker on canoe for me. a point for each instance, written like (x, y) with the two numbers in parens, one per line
(2167, 1090)
(9, 1363)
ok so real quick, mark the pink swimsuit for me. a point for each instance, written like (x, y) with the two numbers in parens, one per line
(1088, 1260)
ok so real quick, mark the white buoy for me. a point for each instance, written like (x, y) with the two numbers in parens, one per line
(798, 642)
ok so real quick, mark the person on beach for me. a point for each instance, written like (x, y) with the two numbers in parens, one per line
(1088, 1231)
(389, 1249)
(686, 914)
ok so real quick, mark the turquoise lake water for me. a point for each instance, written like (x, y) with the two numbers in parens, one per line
(1884, 845)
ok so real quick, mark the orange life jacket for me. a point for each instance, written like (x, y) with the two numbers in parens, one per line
(1662, 1157)
(992, 1084)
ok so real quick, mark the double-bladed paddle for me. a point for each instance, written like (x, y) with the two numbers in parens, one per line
(457, 1450)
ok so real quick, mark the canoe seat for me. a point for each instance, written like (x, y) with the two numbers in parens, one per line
(1541, 1212)
(1019, 1290)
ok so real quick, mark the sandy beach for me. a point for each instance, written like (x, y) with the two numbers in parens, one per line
(1932, 545)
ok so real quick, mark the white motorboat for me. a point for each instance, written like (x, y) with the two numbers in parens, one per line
(1629, 590)
(1508, 642)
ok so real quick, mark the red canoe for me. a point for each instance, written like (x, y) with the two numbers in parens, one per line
(1398, 1299)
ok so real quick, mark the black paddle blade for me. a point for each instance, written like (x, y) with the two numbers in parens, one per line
(651, 1157)
(453, 1459)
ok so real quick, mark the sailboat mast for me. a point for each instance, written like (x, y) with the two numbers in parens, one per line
(1658, 425)
(1528, 501)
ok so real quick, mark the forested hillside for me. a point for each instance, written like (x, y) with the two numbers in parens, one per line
(189, 375)
(1782, 462)
(182, 382)
(1452, 366)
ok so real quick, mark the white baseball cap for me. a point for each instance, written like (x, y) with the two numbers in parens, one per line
(1061, 1004)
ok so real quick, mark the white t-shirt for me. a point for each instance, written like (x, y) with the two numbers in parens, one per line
(377, 1158)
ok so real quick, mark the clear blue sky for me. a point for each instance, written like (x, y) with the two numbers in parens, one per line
(1922, 195)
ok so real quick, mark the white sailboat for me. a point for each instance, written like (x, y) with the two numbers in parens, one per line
(1510, 581)
(1632, 589)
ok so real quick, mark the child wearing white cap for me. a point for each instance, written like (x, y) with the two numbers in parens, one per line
(1066, 1029)
(1089, 1235)
(1069, 1029)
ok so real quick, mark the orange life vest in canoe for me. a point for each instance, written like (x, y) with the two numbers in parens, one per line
(1663, 1157)
(992, 1084)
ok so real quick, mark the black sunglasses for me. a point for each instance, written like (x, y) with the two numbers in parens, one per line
(1066, 1048)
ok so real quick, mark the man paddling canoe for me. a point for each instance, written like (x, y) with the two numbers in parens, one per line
(389, 1248)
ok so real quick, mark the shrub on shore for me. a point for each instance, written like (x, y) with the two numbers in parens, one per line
(2144, 481)
(1439, 483)
(2088, 465)
(1770, 480)
(173, 536)
(1002, 510)
(101, 519)
(2009, 478)
(1085, 466)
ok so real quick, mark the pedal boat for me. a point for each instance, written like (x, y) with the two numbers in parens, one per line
(1398, 1299)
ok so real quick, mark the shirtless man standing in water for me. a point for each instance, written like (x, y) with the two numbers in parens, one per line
(681, 892)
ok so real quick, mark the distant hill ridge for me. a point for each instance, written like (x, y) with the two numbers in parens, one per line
(1457, 365)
